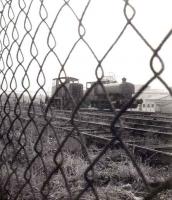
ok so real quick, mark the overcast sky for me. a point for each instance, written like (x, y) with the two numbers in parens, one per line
(103, 22)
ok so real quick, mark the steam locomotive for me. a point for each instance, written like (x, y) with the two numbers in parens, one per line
(119, 94)
(67, 92)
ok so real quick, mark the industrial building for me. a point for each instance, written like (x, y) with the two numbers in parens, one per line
(164, 105)
(155, 100)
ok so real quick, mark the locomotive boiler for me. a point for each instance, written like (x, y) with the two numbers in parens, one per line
(119, 94)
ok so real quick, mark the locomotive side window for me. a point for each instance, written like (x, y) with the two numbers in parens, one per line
(54, 82)
(88, 85)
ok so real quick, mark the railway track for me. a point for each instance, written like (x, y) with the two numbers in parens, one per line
(136, 128)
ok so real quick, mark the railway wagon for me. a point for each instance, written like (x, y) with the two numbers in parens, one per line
(66, 91)
(119, 94)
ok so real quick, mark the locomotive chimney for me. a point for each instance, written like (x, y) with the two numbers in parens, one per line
(124, 80)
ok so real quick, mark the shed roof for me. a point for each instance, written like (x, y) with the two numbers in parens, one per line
(168, 97)
(155, 96)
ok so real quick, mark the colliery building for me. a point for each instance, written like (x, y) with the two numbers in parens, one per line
(155, 100)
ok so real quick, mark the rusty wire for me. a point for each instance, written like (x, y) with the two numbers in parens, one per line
(19, 160)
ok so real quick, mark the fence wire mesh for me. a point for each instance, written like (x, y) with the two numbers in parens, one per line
(35, 137)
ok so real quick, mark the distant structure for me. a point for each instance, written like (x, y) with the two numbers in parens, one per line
(155, 100)
(12, 98)
(110, 77)
(164, 105)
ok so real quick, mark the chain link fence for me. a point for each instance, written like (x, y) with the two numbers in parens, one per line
(34, 163)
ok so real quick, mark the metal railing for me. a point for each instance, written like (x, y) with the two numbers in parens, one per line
(33, 160)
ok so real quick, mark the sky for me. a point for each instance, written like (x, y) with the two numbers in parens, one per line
(103, 22)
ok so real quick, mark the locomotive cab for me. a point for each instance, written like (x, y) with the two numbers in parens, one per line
(66, 92)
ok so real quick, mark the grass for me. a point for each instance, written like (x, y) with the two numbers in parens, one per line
(114, 175)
